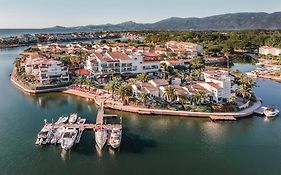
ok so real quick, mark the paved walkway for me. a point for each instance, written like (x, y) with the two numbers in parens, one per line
(110, 104)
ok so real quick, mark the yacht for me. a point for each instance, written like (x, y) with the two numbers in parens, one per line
(68, 138)
(43, 136)
(81, 120)
(72, 118)
(101, 137)
(57, 135)
(271, 112)
(61, 120)
(115, 137)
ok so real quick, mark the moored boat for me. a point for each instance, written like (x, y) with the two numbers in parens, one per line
(271, 112)
(115, 137)
(68, 138)
(101, 137)
(43, 136)
(72, 118)
(57, 135)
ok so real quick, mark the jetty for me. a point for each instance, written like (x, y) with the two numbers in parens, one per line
(48, 132)
(222, 118)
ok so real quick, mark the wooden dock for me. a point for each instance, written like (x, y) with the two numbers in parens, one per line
(260, 111)
(222, 118)
(86, 126)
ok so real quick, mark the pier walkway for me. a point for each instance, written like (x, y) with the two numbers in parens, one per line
(87, 126)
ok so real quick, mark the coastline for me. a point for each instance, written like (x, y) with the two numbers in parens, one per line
(98, 99)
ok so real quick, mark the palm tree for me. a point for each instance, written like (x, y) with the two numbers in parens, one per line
(144, 97)
(200, 97)
(114, 85)
(164, 69)
(232, 100)
(88, 83)
(79, 80)
(183, 76)
(244, 91)
(170, 93)
(143, 77)
(197, 73)
(125, 91)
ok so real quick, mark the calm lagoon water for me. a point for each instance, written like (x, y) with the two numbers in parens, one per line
(150, 145)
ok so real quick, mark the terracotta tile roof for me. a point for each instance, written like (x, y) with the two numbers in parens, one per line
(82, 72)
(119, 55)
(214, 85)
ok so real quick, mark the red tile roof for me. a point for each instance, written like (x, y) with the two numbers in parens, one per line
(119, 55)
(214, 85)
(82, 72)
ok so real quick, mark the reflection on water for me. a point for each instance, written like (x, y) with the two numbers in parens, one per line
(214, 132)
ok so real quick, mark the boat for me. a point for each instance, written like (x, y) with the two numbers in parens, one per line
(72, 118)
(271, 112)
(61, 120)
(43, 136)
(68, 138)
(100, 137)
(81, 121)
(57, 135)
(115, 137)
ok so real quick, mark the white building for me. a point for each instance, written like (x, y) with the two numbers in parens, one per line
(220, 83)
(118, 62)
(268, 50)
(189, 49)
(46, 71)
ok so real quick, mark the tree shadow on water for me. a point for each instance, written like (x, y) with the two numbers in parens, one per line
(133, 143)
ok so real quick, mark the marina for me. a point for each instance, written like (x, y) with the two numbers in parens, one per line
(68, 131)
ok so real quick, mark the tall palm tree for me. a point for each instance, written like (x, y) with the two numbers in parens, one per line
(244, 91)
(125, 91)
(144, 97)
(164, 69)
(80, 80)
(170, 93)
(200, 97)
(183, 76)
(114, 85)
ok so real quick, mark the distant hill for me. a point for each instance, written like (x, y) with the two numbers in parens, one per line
(231, 21)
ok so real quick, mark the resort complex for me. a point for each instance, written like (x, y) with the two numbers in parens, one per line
(138, 78)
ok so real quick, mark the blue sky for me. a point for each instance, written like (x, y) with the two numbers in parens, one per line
(46, 13)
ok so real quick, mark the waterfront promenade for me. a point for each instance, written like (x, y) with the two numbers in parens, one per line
(101, 96)
(110, 104)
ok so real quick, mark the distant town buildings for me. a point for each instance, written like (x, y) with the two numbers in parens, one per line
(185, 48)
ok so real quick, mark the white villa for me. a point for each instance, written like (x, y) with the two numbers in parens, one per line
(46, 71)
(108, 62)
(218, 87)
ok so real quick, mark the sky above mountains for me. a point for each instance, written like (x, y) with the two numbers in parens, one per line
(46, 13)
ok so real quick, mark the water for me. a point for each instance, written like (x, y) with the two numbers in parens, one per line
(14, 32)
(150, 145)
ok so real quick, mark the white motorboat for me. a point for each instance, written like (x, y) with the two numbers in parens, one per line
(43, 136)
(115, 137)
(57, 135)
(81, 121)
(100, 137)
(62, 119)
(68, 138)
(271, 112)
(72, 118)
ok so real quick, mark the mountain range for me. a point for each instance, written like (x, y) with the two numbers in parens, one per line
(231, 21)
